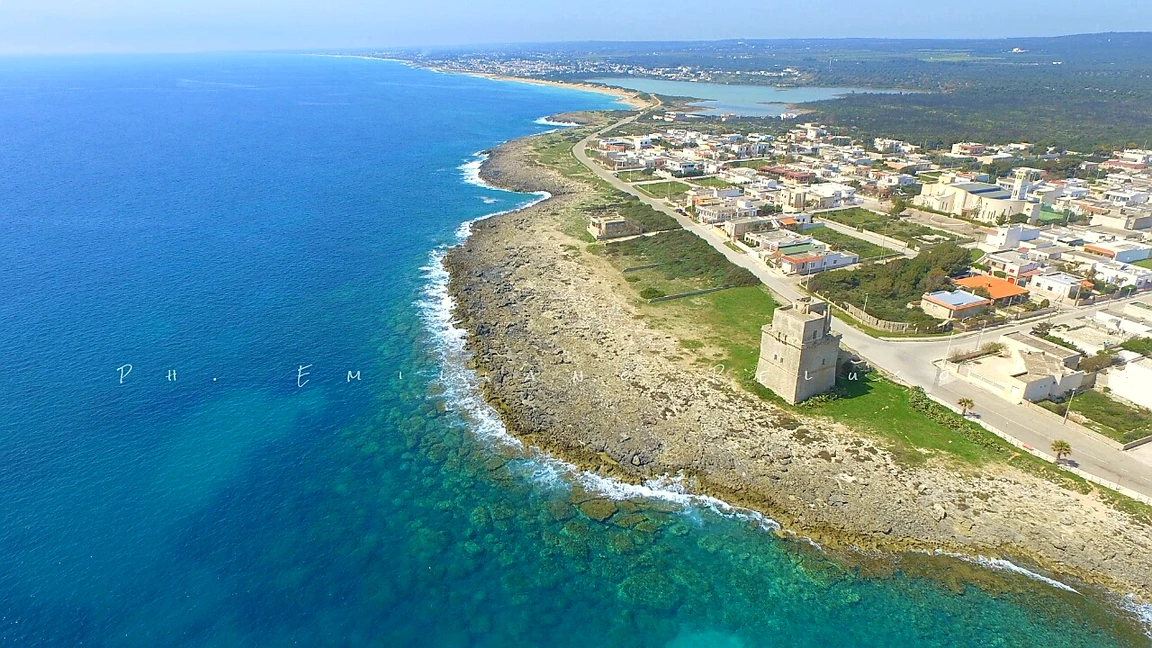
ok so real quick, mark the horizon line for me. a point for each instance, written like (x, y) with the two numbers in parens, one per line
(494, 45)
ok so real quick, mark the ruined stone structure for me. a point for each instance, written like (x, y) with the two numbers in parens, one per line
(798, 351)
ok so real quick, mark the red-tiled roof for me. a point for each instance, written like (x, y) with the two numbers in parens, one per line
(997, 288)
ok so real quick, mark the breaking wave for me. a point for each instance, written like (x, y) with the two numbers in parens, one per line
(463, 388)
(999, 564)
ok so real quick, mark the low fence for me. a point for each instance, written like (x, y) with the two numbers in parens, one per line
(1051, 459)
(1123, 490)
(1119, 445)
(877, 323)
(848, 230)
(1020, 317)
(694, 293)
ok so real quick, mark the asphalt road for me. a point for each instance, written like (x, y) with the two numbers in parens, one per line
(912, 361)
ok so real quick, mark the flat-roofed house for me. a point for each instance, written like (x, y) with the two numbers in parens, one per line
(606, 227)
(738, 227)
(953, 305)
(813, 257)
(1123, 274)
(1122, 251)
(1010, 237)
(1056, 286)
(1029, 369)
(1012, 264)
(1131, 382)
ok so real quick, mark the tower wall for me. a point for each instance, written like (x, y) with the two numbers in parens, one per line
(799, 352)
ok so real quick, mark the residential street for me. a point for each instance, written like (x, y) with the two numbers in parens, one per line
(911, 361)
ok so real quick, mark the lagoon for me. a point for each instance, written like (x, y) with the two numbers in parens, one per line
(742, 100)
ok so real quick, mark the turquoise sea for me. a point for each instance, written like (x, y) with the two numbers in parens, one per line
(296, 455)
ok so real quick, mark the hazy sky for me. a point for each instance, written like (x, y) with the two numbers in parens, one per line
(197, 25)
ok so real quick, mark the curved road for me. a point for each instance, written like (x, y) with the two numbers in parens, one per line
(911, 361)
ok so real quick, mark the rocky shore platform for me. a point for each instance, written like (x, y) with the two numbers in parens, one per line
(572, 369)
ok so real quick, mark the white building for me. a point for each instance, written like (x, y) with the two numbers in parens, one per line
(1030, 369)
(1123, 274)
(1121, 251)
(977, 200)
(1009, 237)
(725, 209)
(1131, 382)
(1055, 286)
(1126, 197)
(831, 195)
(816, 260)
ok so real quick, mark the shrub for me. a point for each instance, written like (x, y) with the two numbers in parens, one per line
(651, 293)
(935, 412)
(1143, 346)
(1098, 362)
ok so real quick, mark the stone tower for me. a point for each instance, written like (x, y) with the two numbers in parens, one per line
(799, 351)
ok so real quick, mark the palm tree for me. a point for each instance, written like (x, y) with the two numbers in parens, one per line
(1061, 448)
(965, 405)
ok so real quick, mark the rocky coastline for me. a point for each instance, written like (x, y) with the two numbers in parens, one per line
(572, 370)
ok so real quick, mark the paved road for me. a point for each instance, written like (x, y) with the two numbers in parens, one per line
(911, 361)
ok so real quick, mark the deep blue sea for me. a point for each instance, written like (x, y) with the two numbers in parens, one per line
(195, 252)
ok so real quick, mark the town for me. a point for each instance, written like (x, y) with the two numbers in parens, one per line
(1048, 271)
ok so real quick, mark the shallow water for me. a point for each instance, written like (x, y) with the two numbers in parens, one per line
(264, 225)
(742, 100)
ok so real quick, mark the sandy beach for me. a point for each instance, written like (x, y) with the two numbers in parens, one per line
(630, 98)
(572, 368)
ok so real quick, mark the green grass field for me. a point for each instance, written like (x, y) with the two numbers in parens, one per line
(1146, 263)
(712, 182)
(667, 189)
(882, 407)
(728, 322)
(751, 164)
(841, 241)
(682, 256)
(909, 232)
(555, 150)
(1107, 416)
(635, 176)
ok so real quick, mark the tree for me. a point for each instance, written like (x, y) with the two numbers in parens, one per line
(1061, 449)
(965, 405)
(1098, 362)
(899, 204)
(981, 291)
(1042, 329)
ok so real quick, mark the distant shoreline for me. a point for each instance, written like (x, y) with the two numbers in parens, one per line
(630, 97)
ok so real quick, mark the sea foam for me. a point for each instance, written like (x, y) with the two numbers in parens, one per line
(462, 391)
(1000, 564)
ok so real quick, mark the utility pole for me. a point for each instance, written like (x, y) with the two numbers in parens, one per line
(1068, 409)
(981, 336)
